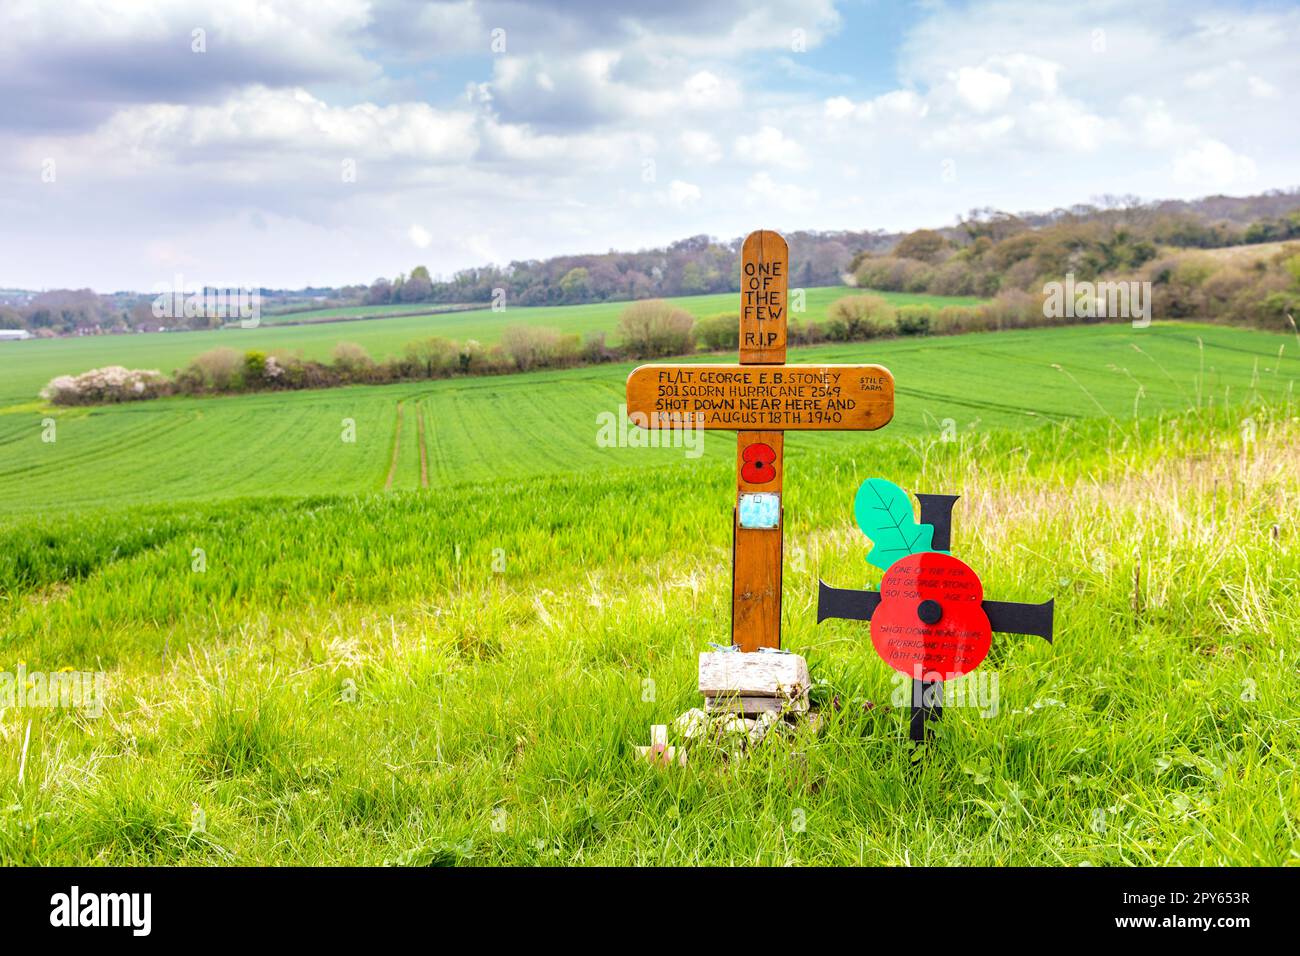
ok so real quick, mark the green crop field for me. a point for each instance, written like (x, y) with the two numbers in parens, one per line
(349, 312)
(25, 367)
(518, 427)
(604, 315)
(305, 667)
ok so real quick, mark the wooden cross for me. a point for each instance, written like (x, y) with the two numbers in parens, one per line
(760, 399)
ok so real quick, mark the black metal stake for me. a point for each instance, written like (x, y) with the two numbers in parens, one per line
(927, 696)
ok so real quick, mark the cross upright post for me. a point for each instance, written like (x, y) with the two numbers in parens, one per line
(757, 552)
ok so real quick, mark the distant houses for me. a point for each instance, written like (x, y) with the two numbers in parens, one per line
(14, 334)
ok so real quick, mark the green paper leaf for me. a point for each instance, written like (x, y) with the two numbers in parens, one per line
(884, 513)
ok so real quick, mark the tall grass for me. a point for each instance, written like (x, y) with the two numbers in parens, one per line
(462, 677)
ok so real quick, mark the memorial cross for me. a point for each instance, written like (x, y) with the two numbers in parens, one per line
(760, 399)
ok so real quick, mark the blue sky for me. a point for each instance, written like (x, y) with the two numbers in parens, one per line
(296, 142)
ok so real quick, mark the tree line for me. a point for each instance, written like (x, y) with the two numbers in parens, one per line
(693, 266)
(996, 254)
(987, 251)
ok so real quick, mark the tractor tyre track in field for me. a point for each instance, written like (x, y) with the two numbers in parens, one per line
(397, 444)
(424, 454)
(947, 399)
(512, 428)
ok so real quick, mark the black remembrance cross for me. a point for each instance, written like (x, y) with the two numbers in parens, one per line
(932, 601)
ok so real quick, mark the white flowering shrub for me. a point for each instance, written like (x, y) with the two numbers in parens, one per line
(102, 385)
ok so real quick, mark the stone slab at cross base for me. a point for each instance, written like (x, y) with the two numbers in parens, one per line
(753, 706)
(756, 674)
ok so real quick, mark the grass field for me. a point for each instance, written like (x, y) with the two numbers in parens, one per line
(305, 668)
(350, 312)
(25, 367)
(1242, 255)
(518, 427)
(606, 313)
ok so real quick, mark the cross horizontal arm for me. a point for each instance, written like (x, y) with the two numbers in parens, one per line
(761, 397)
(1007, 617)
(845, 603)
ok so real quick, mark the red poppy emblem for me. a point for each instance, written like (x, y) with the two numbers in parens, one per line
(759, 463)
(931, 616)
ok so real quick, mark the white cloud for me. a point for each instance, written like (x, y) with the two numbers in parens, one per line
(770, 147)
(898, 103)
(1029, 73)
(700, 146)
(894, 105)
(1261, 88)
(729, 28)
(420, 237)
(784, 197)
(481, 247)
(289, 121)
(839, 107)
(514, 144)
(1213, 76)
(436, 27)
(706, 91)
(980, 89)
(601, 87)
(682, 194)
(1213, 165)
(1151, 122)
(1065, 124)
(966, 135)
(71, 64)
